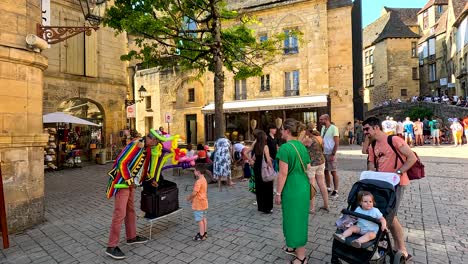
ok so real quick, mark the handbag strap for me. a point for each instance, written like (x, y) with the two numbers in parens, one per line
(302, 163)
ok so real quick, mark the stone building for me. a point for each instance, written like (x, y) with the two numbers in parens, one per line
(86, 77)
(21, 137)
(390, 56)
(432, 20)
(457, 47)
(312, 77)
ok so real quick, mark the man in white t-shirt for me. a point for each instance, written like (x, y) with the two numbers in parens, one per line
(393, 126)
(386, 126)
(330, 135)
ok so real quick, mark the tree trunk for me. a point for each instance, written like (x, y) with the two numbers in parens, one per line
(218, 73)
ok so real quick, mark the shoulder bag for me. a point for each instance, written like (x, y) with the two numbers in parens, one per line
(268, 173)
(313, 190)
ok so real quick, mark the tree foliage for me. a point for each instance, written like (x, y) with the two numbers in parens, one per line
(418, 112)
(200, 35)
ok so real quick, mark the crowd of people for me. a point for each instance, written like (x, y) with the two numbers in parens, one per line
(304, 160)
(433, 130)
(443, 99)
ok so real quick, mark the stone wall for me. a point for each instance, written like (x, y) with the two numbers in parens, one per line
(398, 110)
(21, 138)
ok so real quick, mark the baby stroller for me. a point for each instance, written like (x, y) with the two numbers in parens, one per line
(379, 250)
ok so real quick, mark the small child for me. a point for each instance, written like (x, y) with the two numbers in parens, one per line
(367, 229)
(199, 201)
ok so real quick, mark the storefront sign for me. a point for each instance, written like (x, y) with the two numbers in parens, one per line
(131, 111)
(443, 81)
(451, 85)
(45, 10)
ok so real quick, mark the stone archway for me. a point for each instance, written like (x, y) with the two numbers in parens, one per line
(90, 110)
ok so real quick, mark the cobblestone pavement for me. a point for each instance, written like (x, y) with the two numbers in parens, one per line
(434, 214)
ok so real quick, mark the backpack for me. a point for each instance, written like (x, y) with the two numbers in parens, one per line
(416, 172)
(426, 125)
(435, 125)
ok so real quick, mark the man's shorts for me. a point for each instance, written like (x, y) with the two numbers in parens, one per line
(409, 134)
(426, 132)
(330, 165)
(435, 133)
(316, 171)
(199, 215)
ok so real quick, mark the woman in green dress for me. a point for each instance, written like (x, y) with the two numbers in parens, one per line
(293, 191)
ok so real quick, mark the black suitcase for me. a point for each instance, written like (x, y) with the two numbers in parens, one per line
(160, 201)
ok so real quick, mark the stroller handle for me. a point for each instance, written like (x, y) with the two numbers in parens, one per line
(365, 217)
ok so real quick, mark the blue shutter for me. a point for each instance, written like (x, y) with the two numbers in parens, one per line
(286, 41)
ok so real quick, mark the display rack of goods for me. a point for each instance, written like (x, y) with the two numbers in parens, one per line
(50, 150)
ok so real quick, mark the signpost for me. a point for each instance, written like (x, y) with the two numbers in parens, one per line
(3, 219)
(168, 118)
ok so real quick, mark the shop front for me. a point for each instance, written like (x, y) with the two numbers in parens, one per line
(243, 117)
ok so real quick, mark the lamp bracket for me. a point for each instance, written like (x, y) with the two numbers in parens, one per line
(56, 34)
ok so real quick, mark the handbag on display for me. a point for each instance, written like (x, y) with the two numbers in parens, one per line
(268, 173)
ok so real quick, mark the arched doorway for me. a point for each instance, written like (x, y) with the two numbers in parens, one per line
(89, 139)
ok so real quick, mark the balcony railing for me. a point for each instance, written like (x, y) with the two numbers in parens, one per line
(461, 72)
(291, 50)
(291, 93)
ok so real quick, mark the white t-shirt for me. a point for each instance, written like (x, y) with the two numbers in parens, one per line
(328, 138)
(386, 126)
(238, 147)
(393, 126)
(399, 128)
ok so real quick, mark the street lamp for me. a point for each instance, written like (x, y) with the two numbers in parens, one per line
(93, 11)
(142, 93)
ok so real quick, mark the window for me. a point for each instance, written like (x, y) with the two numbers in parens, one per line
(265, 82)
(263, 37)
(432, 72)
(367, 80)
(291, 83)
(440, 9)
(148, 102)
(371, 79)
(371, 56)
(290, 43)
(366, 61)
(415, 73)
(404, 92)
(414, 49)
(191, 95)
(425, 19)
(240, 89)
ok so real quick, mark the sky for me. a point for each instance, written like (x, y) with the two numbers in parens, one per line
(371, 8)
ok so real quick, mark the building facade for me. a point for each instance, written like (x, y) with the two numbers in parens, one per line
(390, 58)
(312, 77)
(87, 79)
(21, 137)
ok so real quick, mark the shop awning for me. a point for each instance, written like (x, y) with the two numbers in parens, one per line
(60, 117)
(278, 103)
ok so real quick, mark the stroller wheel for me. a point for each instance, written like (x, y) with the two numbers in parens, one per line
(399, 258)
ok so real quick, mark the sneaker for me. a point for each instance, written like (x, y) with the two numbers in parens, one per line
(115, 253)
(329, 190)
(334, 194)
(137, 240)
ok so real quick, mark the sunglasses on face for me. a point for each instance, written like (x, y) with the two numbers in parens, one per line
(366, 128)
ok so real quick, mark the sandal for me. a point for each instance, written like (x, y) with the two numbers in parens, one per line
(301, 261)
(205, 235)
(199, 237)
(409, 257)
(289, 251)
(324, 208)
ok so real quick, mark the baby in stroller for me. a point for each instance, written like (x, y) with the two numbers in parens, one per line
(373, 202)
(367, 229)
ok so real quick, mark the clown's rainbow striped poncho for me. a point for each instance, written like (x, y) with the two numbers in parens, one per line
(128, 164)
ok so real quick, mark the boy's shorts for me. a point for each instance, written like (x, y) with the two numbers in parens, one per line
(199, 215)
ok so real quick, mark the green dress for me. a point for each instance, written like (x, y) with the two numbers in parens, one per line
(295, 196)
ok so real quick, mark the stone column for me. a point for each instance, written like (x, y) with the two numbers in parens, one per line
(21, 136)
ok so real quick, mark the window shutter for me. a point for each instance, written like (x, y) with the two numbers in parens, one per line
(75, 51)
(296, 80)
(91, 54)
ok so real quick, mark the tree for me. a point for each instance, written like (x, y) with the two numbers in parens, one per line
(189, 35)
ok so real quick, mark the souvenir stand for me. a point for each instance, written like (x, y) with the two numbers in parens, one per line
(68, 137)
